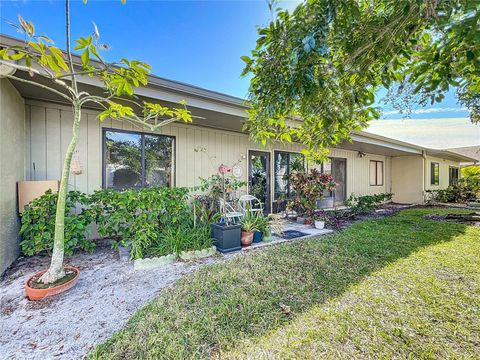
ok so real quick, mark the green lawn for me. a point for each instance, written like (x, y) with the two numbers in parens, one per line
(397, 287)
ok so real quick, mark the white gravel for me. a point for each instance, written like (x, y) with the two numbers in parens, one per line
(69, 325)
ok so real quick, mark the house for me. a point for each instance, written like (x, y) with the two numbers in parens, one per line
(36, 127)
(470, 151)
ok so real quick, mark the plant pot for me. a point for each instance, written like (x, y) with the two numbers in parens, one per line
(226, 237)
(267, 236)
(39, 294)
(319, 224)
(247, 238)
(325, 203)
(308, 222)
(257, 236)
(301, 220)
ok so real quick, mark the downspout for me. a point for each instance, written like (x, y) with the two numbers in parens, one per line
(424, 175)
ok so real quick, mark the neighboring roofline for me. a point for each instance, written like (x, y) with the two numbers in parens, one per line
(428, 151)
(464, 147)
(158, 83)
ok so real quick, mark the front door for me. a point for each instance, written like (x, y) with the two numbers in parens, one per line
(339, 173)
(259, 177)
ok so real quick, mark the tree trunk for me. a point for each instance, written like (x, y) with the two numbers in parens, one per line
(55, 270)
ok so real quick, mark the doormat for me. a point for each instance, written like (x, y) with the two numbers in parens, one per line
(292, 234)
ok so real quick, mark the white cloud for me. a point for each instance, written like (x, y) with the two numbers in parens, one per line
(436, 133)
(427, 111)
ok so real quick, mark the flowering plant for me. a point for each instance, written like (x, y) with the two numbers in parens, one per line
(307, 189)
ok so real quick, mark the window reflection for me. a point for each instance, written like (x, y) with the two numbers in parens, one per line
(134, 160)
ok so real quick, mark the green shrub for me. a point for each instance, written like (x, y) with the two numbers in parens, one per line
(138, 217)
(367, 203)
(38, 224)
(467, 189)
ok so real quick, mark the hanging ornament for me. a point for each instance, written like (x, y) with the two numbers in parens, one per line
(76, 166)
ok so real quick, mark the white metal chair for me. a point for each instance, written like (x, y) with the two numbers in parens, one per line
(230, 212)
(249, 203)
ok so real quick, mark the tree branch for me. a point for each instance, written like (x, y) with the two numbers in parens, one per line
(69, 52)
(41, 86)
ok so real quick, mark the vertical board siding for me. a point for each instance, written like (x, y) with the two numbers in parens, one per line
(38, 143)
(53, 144)
(49, 129)
(94, 154)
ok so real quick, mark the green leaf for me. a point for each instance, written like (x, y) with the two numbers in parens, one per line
(85, 58)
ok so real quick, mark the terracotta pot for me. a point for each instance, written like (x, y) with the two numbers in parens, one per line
(39, 294)
(247, 238)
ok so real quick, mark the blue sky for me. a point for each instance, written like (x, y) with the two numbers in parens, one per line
(197, 42)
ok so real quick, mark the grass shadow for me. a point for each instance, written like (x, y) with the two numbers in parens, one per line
(210, 310)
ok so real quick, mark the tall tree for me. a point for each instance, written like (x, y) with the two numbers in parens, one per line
(42, 60)
(315, 71)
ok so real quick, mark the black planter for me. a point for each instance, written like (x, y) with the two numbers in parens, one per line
(226, 237)
(257, 236)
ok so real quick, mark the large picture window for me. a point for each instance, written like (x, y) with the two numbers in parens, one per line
(284, 164)
(137, 160)
(434, 173)
(376, 173)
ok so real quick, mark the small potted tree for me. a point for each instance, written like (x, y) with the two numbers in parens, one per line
(58, 72)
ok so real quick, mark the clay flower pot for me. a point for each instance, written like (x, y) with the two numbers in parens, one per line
(39, 294)
(246, 238)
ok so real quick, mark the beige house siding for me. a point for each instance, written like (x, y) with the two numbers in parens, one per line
(444, 165)
(49, 130)
(11, 169)
(407, 179)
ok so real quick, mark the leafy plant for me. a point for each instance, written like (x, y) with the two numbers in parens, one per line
(138, 217)
(308, 188)
(260, 222)
(213, 188)
(367, 203)
(38, 224)
(323, 63)
(248, 221)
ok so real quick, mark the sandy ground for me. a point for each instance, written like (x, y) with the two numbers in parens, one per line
(68, 326)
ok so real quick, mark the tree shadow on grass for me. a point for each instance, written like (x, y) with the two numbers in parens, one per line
(210, 310)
